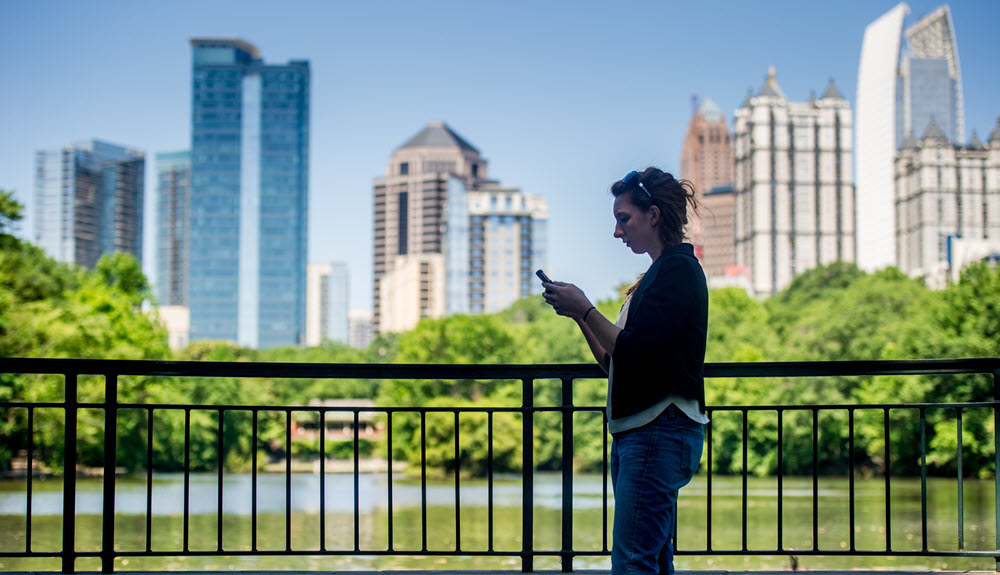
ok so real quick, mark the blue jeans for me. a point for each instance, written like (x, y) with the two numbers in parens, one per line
(648, 467)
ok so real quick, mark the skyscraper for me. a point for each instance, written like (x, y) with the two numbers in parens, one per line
(89, 201)
(707, 162)
(249, 195)
(409, 207)
(901, 87)
(793, 186)
(480, 250)
(327, 300)
(173, 196)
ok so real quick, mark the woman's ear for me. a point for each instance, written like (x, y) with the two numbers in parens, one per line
(654, 215)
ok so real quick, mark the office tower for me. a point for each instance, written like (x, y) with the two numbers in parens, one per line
(249, 195)
(478, 242)
(902, 85)
(793, 187)
(947, 204)
(327, 300)
(361, 332)
(89, 201)
(707, 162)
(173, 189)
(409, 210)
(495, 242)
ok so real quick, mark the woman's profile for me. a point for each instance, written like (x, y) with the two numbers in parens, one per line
(654, 355)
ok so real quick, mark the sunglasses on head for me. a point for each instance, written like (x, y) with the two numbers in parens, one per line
(633, 178)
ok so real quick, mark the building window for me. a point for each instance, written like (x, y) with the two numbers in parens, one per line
(404, 168)
(403, 219)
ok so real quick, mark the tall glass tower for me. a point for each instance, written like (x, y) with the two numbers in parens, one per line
(88, 201)
(905, 79)
(249, 195)
(173, 231)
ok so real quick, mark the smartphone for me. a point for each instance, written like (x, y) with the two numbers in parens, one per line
(541, 275)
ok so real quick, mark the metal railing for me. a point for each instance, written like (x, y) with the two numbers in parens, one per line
(111, 370)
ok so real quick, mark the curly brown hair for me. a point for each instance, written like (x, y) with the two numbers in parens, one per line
(673, 198)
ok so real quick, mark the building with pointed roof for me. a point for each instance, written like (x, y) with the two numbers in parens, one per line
(447, 238)
(947, 204)
(707, 162)
(793, 188)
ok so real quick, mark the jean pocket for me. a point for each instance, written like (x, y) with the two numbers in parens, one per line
(691, 446)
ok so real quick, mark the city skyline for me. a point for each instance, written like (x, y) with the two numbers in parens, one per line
(563, 109)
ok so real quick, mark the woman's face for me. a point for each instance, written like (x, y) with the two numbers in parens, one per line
(633, 226)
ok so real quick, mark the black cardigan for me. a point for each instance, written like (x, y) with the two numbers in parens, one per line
(661, 350)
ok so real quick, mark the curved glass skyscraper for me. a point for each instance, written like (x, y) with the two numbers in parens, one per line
(901, 87)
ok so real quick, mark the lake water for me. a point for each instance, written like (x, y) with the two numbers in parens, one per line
(588, 534)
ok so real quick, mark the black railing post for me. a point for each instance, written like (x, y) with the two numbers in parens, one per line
(110, 448)
(996, 463)
(567, 475)
(69, 477)
(527, 475)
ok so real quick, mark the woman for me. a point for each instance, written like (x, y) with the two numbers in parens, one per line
(654, 356)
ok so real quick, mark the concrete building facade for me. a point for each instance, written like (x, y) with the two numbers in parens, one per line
(409, 213)
(947, 204)
(793, 187)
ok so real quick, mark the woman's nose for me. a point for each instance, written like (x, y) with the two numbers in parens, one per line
(618, 231)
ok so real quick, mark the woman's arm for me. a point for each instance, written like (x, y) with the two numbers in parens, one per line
(570, 301)
(595, 346)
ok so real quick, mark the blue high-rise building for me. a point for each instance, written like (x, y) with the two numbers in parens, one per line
(173, 227)
(89, 201)
(249, 195)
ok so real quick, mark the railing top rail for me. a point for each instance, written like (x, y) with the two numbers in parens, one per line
(480, 371)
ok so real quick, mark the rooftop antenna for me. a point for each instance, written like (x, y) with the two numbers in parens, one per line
(694, 104)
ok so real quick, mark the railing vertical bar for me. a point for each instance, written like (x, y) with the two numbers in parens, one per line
(221, 459)
(30, 469)
(746, 444)
(322, 480)
(423, 480)
(110, 459)
(961, 497)
(253, 480)
(567, 475)
(489, 481)
(781, 479)
(388, 429)
(604, 481)
(888, 490)
(68, 554)
(815, 479)
(850, 455)
(923, 479)
(708, 487)
(288, 480)
(357, 482)
(996, 466)
(527, 476)
(187, 478)
(149, 480)
(458, 496)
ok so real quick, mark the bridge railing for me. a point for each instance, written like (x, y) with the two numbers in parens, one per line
(689, 542)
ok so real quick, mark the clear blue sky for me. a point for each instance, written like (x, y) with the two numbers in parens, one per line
(561, 97)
